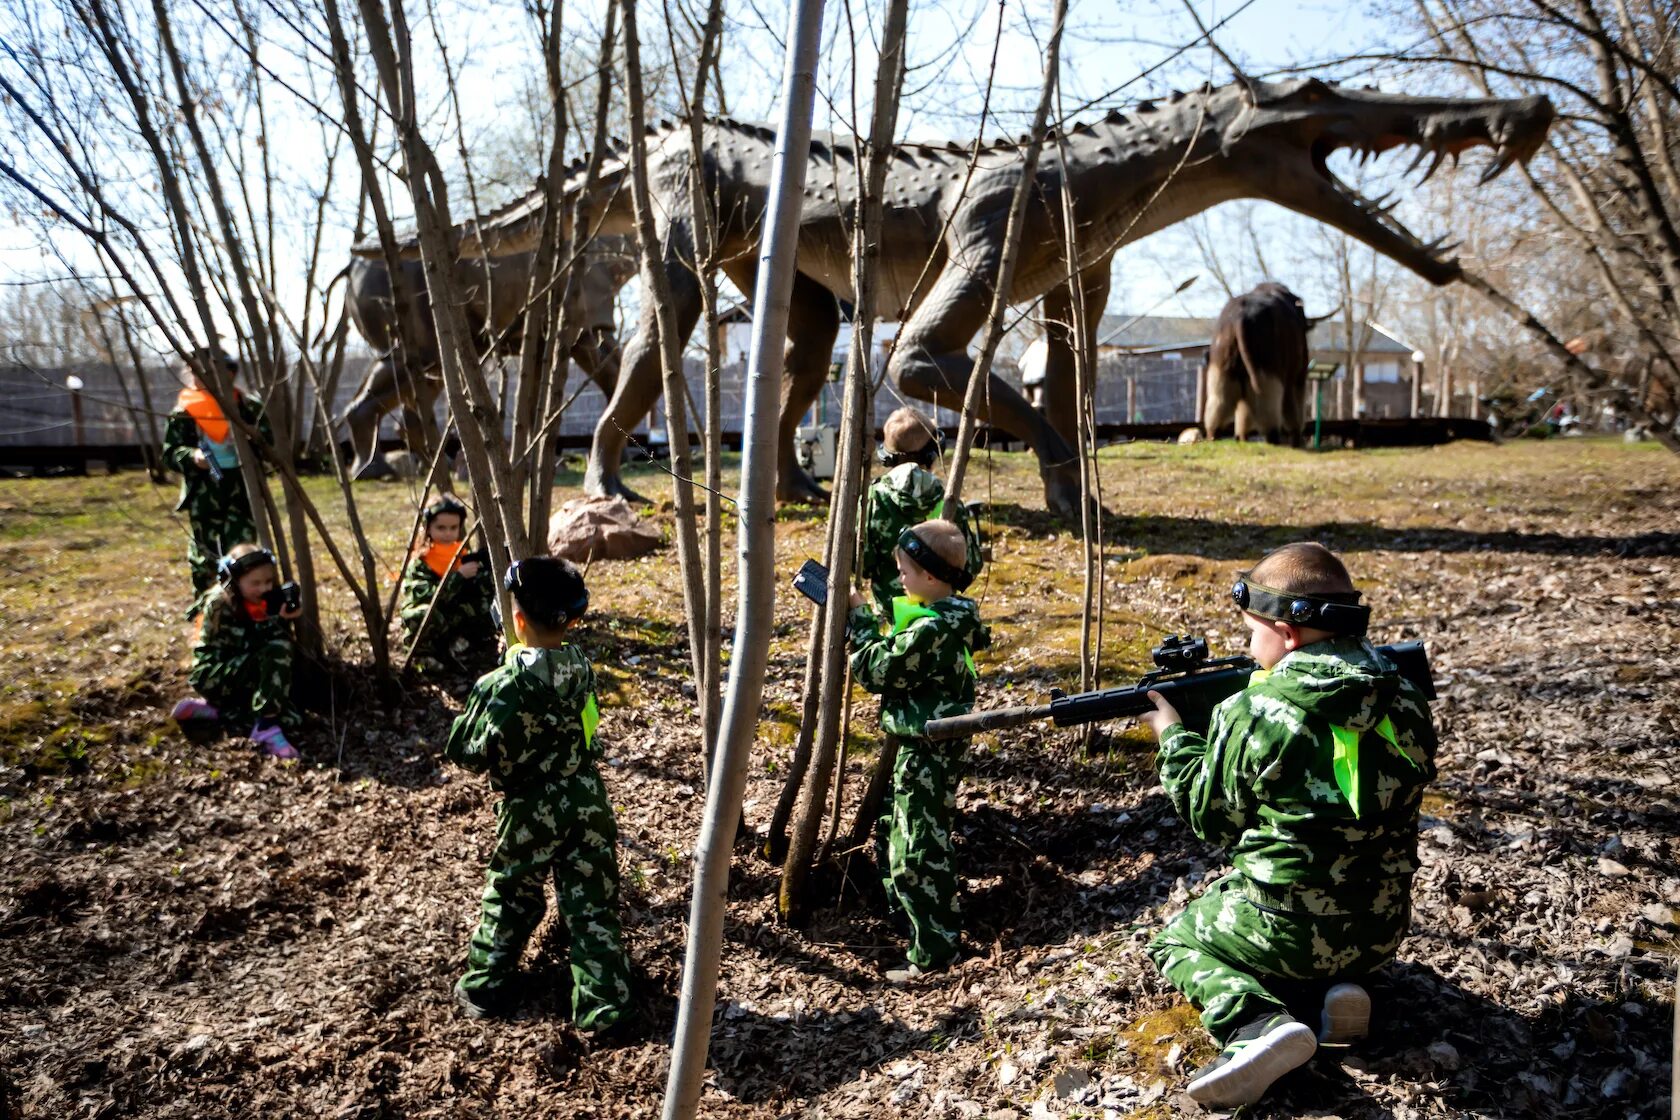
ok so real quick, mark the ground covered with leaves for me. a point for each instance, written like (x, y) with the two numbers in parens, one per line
(188, 931)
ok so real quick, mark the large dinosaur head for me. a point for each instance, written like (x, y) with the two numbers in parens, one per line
(1291, 129)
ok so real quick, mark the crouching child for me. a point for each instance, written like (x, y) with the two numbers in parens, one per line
(923, 668)
(445, 594)
(529, 725)
(908, 494)
(1312, 776)
(242, 660)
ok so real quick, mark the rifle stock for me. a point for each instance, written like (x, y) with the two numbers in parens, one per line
(1195, 694)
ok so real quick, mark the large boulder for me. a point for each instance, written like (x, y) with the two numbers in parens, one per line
(586, 529)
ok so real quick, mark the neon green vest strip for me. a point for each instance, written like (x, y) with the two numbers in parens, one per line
(908, 608)
(1344, 757)
(590, 718)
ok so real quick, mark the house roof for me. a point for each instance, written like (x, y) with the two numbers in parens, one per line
(1153, 333)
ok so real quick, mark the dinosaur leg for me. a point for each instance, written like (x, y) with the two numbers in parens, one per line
(813, 323)
(640, 382)
(1061, 398)
(930, 362)
(379, 395)
(596, 353)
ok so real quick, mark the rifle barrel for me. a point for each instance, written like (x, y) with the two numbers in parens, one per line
(991, 719)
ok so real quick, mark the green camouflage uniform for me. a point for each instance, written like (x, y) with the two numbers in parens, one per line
(923, 670)
(1313, 776)
(463, 609)
(530, 725)
(905, 496)
(219, 512)
(241, 666)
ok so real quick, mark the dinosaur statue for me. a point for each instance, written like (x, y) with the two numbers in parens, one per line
(1255, 375)
(496, 288)
(1131, 174)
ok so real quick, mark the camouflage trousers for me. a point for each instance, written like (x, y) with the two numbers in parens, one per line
(915, 850)
(465, 613)
(567, 831)
(220, 516)
(1235, 960)
(251, 685)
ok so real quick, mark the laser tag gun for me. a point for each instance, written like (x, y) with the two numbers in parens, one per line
(1184, 674)
(210, 463)
(288, 596)
(479, 556)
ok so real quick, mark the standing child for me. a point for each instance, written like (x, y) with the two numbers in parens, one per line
(198, 442)
(1312, 776)
(924, 669)
(908, 494)
(462, 591)
(530, 726)
(242, 663)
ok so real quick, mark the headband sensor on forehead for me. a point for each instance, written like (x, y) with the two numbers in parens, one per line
(555, 604)
(1337, 612)
(445, 504)
(230, 568)
(924, 556)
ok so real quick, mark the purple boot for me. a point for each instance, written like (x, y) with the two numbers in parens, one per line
(193, 708)
(273, 742)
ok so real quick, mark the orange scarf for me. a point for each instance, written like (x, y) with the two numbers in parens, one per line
(443, 558)
(256, 609)
(206, 413)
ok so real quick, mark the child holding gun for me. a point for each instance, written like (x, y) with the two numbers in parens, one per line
(1313, 776)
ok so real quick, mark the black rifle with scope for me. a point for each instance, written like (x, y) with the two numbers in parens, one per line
(1185, 675)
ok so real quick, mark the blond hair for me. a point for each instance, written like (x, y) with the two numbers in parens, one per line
(906, 431)
(1303, 568)
(946, 539)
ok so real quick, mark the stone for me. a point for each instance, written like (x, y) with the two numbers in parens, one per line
(586, 529)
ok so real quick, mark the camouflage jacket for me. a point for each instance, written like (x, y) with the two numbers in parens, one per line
(227, 633)
(420, 585)
(906, 495)
(530, 722)
(923, 669)
(180, 440)
(1309, 832)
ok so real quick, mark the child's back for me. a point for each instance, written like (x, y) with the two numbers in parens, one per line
(1310, 831)
(529, 722)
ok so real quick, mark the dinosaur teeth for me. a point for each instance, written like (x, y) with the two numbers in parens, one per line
(1434, 166)
(1503, 158)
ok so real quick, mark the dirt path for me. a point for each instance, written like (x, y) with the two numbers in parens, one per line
(185, 931)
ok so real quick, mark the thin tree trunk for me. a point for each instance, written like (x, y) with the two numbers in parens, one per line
(657, 286)
(1006, 267)
(850, 466)
(757, 565)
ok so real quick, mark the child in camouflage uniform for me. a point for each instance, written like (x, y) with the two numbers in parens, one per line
(924, 669)
(198, 443)
(908, 494)
(242, 662)
(530, 726)
(463, 593)
(1313, 775)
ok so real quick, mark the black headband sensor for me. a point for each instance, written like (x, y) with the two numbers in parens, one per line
(1337, 612)
(537, 604)
(445, 504)
(924, 556)
(924, 456)
(230, 568)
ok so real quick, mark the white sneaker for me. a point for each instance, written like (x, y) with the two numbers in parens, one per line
(1347, 1015)
(1255, 1057)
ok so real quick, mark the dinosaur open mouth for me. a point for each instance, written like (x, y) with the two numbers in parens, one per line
(1436, 145)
